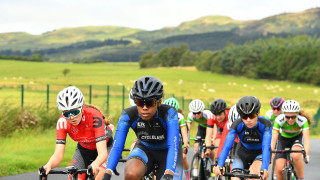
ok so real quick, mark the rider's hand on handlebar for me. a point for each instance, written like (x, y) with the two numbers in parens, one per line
(207, 153)
(216, 170)
(265, 174)
(306, 159)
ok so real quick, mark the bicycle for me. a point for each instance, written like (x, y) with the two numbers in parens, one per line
(289, 172)
(70, 171)
(243, 174)
(205, 164)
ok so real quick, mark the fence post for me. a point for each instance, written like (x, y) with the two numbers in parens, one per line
(123, 95)
(183, 102)
(48, 97)
(108, 100)
(22, 94)
(90, 89)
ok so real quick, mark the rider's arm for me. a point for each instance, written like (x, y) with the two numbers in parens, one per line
(227, 146)
(209, 131)
(189, 121)
(275, 134)
(306, 141)
(56, 158)
(185, 139)
(172, 140)
(266, 143)
(102, 155)
(215, 131)
(119, 141)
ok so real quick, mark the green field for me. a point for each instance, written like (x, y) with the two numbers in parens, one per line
(27, 150)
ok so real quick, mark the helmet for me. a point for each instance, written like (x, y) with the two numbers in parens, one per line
(131, 99)
(276, 102)
(172, 102)
(218, 106)
(233, 114)
(70, 98)
(290, 106)
(147, 87)
(248, 105)
(196, 106)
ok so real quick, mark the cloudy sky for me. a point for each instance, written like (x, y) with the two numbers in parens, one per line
(39, 16)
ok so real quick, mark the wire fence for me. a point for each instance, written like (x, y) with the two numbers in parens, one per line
(111, 99)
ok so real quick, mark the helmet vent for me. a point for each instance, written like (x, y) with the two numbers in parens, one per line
(74, 102)
(75, 95)
(67, 100)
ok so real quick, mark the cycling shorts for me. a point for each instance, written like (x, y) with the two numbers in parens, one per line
(288, 143)
(201, 132)
(244, 157)
(150, 158)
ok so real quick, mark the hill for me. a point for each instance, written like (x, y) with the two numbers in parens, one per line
(205, 33)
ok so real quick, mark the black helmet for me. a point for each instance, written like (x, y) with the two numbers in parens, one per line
(218, 106)
(248, 105)
(147, 87)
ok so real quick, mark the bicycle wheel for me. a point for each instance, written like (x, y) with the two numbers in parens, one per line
(207, 169)
(194, 172)
(273, 166)
(287, 174)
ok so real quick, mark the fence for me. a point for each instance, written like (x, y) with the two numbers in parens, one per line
(111, 99)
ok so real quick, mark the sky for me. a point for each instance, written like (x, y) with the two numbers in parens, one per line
(39, 16)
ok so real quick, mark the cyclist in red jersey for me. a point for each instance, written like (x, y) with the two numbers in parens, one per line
(216, 124)
(233, 115)
(85, 125)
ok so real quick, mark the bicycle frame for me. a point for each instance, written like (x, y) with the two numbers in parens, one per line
(289, 166)
(70, 170)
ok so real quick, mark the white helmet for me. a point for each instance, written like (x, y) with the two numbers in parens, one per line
(70, 98)
(290, 106)
(196, 106)
(131, 99)
(233, 114)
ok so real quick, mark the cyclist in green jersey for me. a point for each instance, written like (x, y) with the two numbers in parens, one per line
(184, 131)
(199, 115)
(294, 124)
(275, 104)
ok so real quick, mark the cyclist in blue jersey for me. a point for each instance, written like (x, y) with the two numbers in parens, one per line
(254, 132)
(157, 128)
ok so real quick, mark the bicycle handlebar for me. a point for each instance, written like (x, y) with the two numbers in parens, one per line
(288, 150)
(69, 170)
(241, 175)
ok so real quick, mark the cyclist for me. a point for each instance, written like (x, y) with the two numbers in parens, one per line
(85, 124)
(275, 104)
(294, 124)
(233, 115)
(157, 128)
(254, 134)
(216, 123)
(183, 134)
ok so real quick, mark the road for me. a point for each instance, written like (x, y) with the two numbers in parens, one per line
(311, 169)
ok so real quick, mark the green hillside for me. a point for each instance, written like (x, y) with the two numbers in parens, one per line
(62, 37)
(205, 33)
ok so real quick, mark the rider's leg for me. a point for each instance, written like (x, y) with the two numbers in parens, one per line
(298, 163)
(134, 169)
(280, 163)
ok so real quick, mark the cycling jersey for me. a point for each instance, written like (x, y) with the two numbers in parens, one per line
(206, 114)
(269, 115)
(256, 138)
(89, 132)
(220, 125)
(224, 136)
(289, 131)
(182, 121)
(162, 132)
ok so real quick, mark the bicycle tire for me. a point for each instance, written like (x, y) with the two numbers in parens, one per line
(193, 161)
(202, 165)
(287, 174)
(208, 169)
(273, 166)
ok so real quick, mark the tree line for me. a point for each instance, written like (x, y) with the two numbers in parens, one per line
(294, 58)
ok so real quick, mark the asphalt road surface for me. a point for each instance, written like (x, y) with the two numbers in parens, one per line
(311, 170)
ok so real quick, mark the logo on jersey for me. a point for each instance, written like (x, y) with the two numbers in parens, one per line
(74, 130)
(156, 125)
(62, 124)
(141, 125)
(153, 137)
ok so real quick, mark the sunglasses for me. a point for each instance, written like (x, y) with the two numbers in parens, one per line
(291, 117)
(251, 116)
(196, 113)
(74, 113)
(279, 109)
(148, 103)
